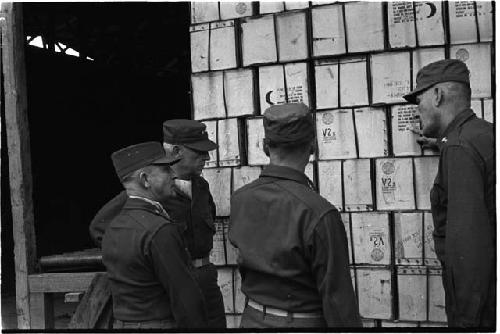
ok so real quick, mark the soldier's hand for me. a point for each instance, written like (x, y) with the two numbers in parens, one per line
(426, 142)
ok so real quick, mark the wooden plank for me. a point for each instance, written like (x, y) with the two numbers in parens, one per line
(327, 85)
(226, 285)
(328, 35)
(255, 146)
(408, 238)
(222, 45)
(228, 138)
(371, 130)
(330, 181)
(462, 18)
(239, 92)
(296, 78)
(336, 138)
(232, 10)
(358, 185)
(220, 186)
(394, 184)
(60, 282)
(271, 86)
(208, 95)
(41, 310)
(401, 20)
(430, 27)
(374, 289)
(370, 238)
(368, 36)
(353, 82)
(292, 36)
(258, 40)
(200, 39)
(212, 135)
(204, 11)
(437, 311)
(412, 293)
(93, 303)
(391, 78)
(404, 126)
(426, 169)
(18, 144)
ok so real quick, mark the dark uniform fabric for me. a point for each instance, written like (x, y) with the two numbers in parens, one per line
(196, 220)
(463, 209)
(149, 268)
(292, 248)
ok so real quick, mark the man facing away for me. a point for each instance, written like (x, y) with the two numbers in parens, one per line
(144, 253)
(292, 243)
(193, 208)
(463, 195)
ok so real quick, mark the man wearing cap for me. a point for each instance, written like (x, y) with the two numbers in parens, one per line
(193, 207)
(463, 195)
(144, 253)
(291, 242)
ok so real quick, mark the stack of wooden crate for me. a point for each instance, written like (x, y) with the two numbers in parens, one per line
(351, 63)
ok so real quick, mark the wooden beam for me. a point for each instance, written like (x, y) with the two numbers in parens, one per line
(16, 121)
(61, 282)
(42, 310)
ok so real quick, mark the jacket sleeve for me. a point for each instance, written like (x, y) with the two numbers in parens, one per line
(469, 249)
(104, 216)
(170, 260)
(330, 266)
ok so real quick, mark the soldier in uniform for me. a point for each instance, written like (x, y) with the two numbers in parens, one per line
(463, 195)
(193, 207)
(144, 253)
(291, 241)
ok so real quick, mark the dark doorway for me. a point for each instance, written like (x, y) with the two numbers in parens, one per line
(82, 110)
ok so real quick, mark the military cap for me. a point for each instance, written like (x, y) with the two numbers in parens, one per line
(131, 158)
(439, 71)
(189, 133)
(288, 123)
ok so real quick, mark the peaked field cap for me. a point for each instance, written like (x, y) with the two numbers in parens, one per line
(436, 72)
(288, 123)
(190, 133)
(131, 158)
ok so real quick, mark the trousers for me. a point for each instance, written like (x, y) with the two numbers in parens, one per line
(252, 318)
(206, 276)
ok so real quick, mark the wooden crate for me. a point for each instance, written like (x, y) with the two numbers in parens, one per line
(391, 79)
(394, 184)
(404, 139)
(291, 32)
(401, 24)
(328, 34)
(327, 84)
(212, 135)
(408, 238)
(239, 92)
(368, 36)
(374, 292)
(208, 95)
(371, 238)
(412, 293)
(222, 45)
(437, 311)
(258, 40)
(330, 181)
(217, 254)
(430, 257)
(425, 172)
(353, 80)
(232, 10)
(219, 180)
(239, 297)
(430, 28)
(371, 131)
(229, 140)
(255, 146)
(335, 131)
(357, 185)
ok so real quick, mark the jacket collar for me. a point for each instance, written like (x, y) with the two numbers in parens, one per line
(282, 172)
(139, 203)
(460, 119)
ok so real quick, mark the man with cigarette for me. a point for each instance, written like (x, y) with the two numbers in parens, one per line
(148, 266)
(291, 242)
(463, 195)
(192, 207)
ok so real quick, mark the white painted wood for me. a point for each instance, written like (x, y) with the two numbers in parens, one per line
(211, 128)
(335, 134)
(222, 45)
(374, 289)
(292, 5)
(204, 11)
(390, 74)
(232, 10)
(394, 184)
(217, 254)
(353, 82)
(255, 149)
(239, 297)
(200, 39)
(239, 92)
(309, 172)
(462, 18)
(297, 83)
(478, 60)
(330, 181)
(409, 241)
(430, 27)
(327, 85)
(401, 21)
(488, 110)
(271, 86)
(225, 282)
(208, 96)
(357, 185)
(477, 107)
(258, 40)
(485, 20)
(219, 180)
(425, 172)
(368, 36)
(292, 36)
(267, 7)
(405, 130)
(371, 132)
(437, 311)
(328, 35)
(412, 293)
(228, 138)
(371, 238)
(430, 257)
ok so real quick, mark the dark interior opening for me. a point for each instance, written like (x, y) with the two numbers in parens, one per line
(81, 110)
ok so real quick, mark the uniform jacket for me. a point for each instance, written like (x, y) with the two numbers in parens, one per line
(149, 268)
(463, 209)
(196, 215)
(292, 247)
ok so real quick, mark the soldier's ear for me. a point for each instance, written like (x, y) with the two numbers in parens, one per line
(438, 96)
(144, 180)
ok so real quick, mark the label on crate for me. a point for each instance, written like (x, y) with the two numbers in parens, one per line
(335, 131)
(371, 128)
(463, 27)
(200, 38)
(297, 83)
(391, 77)
(239, 92)
(430, 27)
(232, 10)
(408, 238)
(330, 181)
(395, 184)
(229, 143)
(477, 57)
(426, 169)
(292, 36)
(222, 45)
(327, 86)
(208, 95)
(212, 135)
(258, 40)
(370, 234)
(271, 86)
(358, 185)
(368, 36)
(255, 149)
(219, 180)
(401, 19)
(328, 30)
(374, 293)
(353, 82)
(405, 130)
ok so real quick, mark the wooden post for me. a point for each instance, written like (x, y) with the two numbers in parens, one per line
(16, 121)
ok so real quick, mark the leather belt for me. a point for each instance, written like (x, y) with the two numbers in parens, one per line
(197, 263)
(282, 313)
